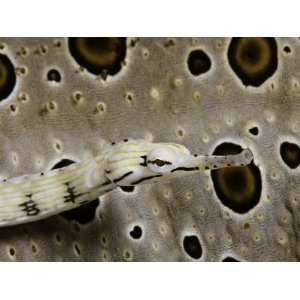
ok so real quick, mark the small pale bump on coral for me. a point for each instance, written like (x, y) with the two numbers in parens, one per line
(127, 255)
(15, 158)
(275, 174)
(104, 241)
(259, 216)
(14, 109)
(145, 53)
(155, 246)
(282, 238)
(105, 255)
(270, 116)
(229, 120)
(177, 82)
(76, 249)
(228, 238)
(163, 229)
(197, 95)
(58, 238)
(243, 250)
(155, 210)
(256, 237)
(180, 132)
(100, 108)
(34, 248)
(11, 252)
(201, 210)
(205, 138)
(77, 97)
(23, 52)
(23, 97)
(21, 71)
(210, 237)
(57, 146)
(129, 98)
(188, 195)
(154, 93)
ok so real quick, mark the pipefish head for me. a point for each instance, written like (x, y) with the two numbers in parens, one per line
(138, 162)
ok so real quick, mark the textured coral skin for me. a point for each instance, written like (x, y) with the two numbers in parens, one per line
(153, 96)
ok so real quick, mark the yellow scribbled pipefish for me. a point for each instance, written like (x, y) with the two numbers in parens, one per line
(33, 197)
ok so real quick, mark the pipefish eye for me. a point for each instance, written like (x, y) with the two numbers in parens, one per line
(159, 162)
(162, 160)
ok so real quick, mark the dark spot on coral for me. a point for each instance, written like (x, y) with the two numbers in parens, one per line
(290, 154)
(127, 189)
(12, 251)
(192, 246)
(77, 249)
(84, 213)
(254, 130)
(198, 62)
(287, 49)
(7, 77)
(230, 259)
(253, 59)
(63, 163)
(58, 238)
(33, 248)
(99, 55)
(136, 232)
(169, 43)
(53, 75)
(238, 188)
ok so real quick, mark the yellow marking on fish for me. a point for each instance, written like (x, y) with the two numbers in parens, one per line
(124, 166)
(130, 151)
(121, 159)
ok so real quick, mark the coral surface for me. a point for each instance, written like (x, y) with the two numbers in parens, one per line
(62, 98)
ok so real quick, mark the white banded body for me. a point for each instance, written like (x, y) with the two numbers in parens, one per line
(32, 197)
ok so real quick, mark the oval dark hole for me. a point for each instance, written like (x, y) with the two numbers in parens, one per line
(287, 49)
(127, 189)
(230, 259)
(136, 232)
(198, 62)
(192, 246)
(99, 55)
(254, 130)
(290, 154)
(7, 77)
(53, 75)
(238, 188)
(253, 59)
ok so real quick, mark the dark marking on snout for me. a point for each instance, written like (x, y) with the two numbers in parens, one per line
(105, 183)
(159, 162)
(144, 163)
(145, 178)
(122, 177)
(185, 169)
